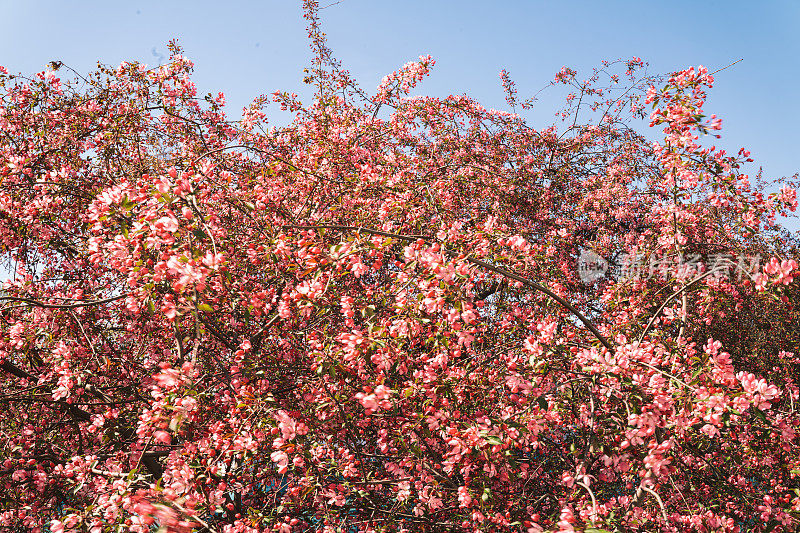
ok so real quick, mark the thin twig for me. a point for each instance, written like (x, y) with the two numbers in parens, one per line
(723, 68)
(594, 501)
(660, 503)
(671, 297)
(330, 5)
(665, 374)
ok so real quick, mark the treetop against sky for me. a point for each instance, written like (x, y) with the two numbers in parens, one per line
(250, 48)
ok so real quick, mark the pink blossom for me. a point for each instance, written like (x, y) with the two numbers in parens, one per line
(280, 458)
(166, 224)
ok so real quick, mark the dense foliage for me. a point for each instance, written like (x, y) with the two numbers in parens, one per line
(376, 318)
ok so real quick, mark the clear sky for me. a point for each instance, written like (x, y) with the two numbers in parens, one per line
(247, 48)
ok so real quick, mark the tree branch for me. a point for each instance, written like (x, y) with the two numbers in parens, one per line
(71, 305)
(483, 264)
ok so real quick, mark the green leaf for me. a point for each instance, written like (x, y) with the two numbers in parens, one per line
(205, 308)
(542, 402)
(760, 415)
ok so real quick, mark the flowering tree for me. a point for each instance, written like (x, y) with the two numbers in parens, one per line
(374, 318)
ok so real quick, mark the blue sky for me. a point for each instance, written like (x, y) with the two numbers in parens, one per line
(247, 48)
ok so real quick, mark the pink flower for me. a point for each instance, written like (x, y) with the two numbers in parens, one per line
(280, 458)
(368, 401)
(169, 310)
(566, 520)
(358, 269)
(168, 378)
(789, 197)
(168, 224)
(312, 289)
(163, 185)
(287, 425)
(518, 244)
(464, 498)
(162, 437)
(382, 392)
(787, 269)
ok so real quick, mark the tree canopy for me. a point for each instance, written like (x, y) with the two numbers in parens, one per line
(378, 317)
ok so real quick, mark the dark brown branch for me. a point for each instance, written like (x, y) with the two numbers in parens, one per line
(150, 461)
(494, 288)
(483, 264)
(71, 305)
(74, 410)
(14, 370)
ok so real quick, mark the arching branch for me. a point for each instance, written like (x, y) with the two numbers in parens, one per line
(483, 264)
